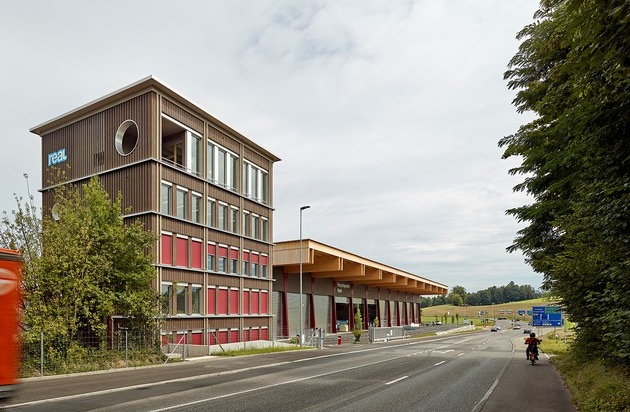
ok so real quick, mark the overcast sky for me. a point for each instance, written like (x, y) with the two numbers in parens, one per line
(386, 114)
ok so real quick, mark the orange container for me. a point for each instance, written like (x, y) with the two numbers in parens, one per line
(10, 275)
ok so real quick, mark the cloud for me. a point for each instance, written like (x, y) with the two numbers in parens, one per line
(386, 114)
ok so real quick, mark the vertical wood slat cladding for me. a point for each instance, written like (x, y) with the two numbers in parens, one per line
(256, 158)
(175, 176)
(135, 185)
(223, 139)
(256, 284)
(90, 142)
(220, 280)
(256, 322)
(181, 115)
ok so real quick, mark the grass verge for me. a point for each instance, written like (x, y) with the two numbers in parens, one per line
(594, 386)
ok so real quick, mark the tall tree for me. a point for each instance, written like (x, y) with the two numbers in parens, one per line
(92, 265)
(572, 71)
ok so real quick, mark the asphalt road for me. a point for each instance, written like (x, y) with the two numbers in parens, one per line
(470, 372)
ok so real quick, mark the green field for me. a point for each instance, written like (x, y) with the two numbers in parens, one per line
(504, 310)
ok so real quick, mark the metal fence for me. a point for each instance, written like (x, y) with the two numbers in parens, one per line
(53, 354)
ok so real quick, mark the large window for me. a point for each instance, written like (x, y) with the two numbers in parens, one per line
(223, 216)
(193, 152)
(211, 256)
(246, 223)
(212, 204)
(263, 265)
(264, 230)
(182, 302)
(233, 260)
(167, 198)
(255, 226)
(181, 251)
(245, 262)
(255, 258)
(196, 249)
(222, 166)
(167, 298)
(196, 299)
(255, 183)
(234, 219)
(196, 207)
(223, 259)
(167, 248)
(182, 202)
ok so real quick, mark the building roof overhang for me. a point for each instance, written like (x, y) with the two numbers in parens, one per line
(323, 261)
(149, 83)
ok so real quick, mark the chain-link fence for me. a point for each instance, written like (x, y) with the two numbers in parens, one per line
(54, 354)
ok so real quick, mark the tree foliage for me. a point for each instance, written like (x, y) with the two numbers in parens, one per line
(92, 265)
(492, 295)
(572, 71)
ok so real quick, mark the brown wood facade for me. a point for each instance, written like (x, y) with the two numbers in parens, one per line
(85, 142)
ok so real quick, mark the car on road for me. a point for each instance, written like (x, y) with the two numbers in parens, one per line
(517, 326)
(527, 330)
(494, 329)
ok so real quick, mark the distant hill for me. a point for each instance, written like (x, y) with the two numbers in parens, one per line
(490, 311)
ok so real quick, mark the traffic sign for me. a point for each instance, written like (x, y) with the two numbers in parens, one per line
(547, 316)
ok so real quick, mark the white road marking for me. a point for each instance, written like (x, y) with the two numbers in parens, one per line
(396, 380)
(439, 363)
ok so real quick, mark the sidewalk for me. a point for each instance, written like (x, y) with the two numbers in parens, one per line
(526, 387)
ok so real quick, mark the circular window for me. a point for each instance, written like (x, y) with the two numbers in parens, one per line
(127, 137)
(55, 212)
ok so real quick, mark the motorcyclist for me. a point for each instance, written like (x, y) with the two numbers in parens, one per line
(532, 345)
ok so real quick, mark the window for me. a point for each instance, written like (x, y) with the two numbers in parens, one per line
(193, 152)
(245, 262)
(212, 302)
(167, 248)
(211, 212)
(210, 162)
(196, 248)
(222, 166)
(196, 207)
(263, 265)
(246, 301)
(182, 202)
(233, 301)
(255, 257)
(182, 302)
(167, 298)
(264, 230)
(223, 295)
(126, 137)
(255, 183)
(181, 251)
(223, 257)
(223, 217)
(167, 198)
(264, 302)
(246, 223)
(233, 260)
(255, 308)
(256, 226)
(234, 219)
(211, 256)
(196, 299)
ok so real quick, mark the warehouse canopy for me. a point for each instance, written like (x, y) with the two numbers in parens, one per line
(323, 261)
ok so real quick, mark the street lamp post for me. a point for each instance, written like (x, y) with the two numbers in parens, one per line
(301, 302)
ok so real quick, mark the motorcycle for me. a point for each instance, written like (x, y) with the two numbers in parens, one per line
(533, 353)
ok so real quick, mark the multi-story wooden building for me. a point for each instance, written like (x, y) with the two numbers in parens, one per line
(202, 187)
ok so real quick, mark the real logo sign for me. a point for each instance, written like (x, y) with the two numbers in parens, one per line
(57, 157)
